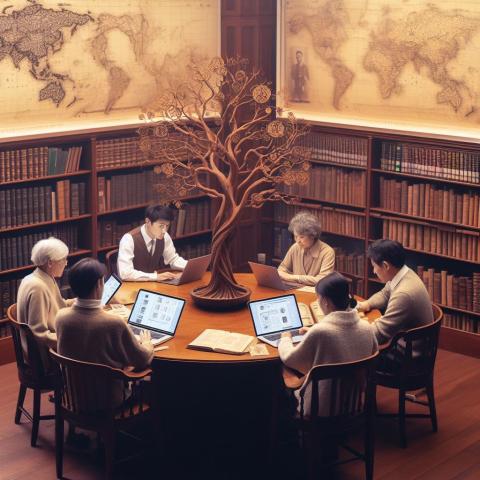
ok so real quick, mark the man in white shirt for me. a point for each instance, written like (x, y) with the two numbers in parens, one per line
(147, 249)
(404, 299)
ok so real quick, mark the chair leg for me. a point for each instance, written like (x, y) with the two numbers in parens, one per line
(369, 448)
(36, 416)
(21, 399)
(431, 405)
(110, 439)
(401, 418)
(59, 439)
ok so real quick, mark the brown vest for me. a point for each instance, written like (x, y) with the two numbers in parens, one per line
(142, 259)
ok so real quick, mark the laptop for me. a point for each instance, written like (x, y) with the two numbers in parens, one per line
(268, 276)
(273, 316)
(157, 313)
(194, 270)
(110, 288)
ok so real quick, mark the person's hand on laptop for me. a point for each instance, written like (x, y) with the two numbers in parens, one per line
(286, 276)
(303, 330)
(286, 335)
(363, 306)
(166, 276)
(145, 338)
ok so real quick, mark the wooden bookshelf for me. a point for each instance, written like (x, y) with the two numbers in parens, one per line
(86, 224)
(375, 145)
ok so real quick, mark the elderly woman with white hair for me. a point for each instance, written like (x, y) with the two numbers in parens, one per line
(39, 298)
(309, 259)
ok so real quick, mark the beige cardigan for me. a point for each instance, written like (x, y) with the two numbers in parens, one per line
(323, 263)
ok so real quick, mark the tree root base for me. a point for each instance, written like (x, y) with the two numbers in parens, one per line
(218, 303)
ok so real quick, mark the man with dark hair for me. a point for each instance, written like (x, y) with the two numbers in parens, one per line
(87, 333)
(147, 249)
(404, 299)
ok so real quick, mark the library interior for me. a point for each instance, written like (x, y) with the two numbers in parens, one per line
(203, 188)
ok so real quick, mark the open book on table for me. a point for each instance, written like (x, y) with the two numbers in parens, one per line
(222, 342)
(311, 313)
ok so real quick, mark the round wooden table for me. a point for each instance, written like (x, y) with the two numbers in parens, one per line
(195, 320)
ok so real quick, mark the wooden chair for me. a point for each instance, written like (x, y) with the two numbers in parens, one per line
(111, 261)
(31, 372)
(85, 397)
(350, 407)
(407, 364)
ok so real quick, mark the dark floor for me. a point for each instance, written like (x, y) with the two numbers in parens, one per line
(235, 448)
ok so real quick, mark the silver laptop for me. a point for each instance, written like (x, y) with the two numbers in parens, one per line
(110, 288)
(194, 270)
(268, 276)
(157, 313)
(273, 316)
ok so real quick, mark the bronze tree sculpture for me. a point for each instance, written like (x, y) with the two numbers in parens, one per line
(215, 133)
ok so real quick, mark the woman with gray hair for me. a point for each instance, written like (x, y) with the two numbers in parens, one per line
(309, 259)
(39, 298)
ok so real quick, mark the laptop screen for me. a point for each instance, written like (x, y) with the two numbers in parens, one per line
(155, 311)
(110, 288)
(274, 315)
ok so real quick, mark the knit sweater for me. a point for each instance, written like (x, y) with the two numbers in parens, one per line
(322, 262)
(38, 301)
(407, 305)
(340, 337)
(93, 335)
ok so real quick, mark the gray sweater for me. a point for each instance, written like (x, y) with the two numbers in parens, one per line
(407, 305)
(340, 337)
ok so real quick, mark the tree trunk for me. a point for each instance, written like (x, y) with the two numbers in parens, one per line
(222, 285)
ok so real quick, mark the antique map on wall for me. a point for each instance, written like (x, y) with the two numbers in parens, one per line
(402, 64)
(87, 63)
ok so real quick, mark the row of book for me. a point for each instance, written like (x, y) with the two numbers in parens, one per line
(282, 241)
(126, 151)
(353, 263)
(459, 244)
(193, 250)
(457, 291)
(35, 162)
(332, 220)
(332, 184)
(458, 165)
(15, 251)
(110, 231)
(430, 201)
(192, 217)
(8, 296)
(42, 203)
(336, 148)
(461, 321)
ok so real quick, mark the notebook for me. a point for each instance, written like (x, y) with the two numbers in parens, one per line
(267, 276)
(110, 288)
(273, 316)
(194, 270)
(156, 312)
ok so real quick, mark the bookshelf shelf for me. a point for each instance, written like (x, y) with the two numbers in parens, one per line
(123, 209)
(29, 226)
(192, 235)
(14, 183)
(337, 205)
(130, 166)
(427, 178)
(327, 232)
(430, 221)
(460, 310)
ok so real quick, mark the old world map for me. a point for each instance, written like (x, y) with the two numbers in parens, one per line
(400, 64)
(89, 62)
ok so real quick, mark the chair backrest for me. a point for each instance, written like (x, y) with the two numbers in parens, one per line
(90, 389)
(111, 261)
(27, 354)
(351, 390)
(418, 346)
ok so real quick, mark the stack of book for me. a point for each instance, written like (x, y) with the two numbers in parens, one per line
(353, 263)
(430, 201)
(332, 184)
(193, 250)
(451, 164)
(451, 242)
(8, 296)
(460, 321)
(110, 231)
(191, 218)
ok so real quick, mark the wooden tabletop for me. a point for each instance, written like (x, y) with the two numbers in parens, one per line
(195, 320)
